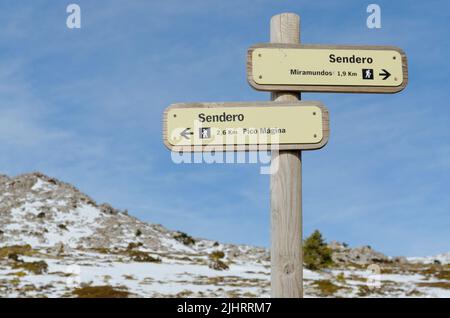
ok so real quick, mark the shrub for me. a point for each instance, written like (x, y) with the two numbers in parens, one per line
(216, 255)
(15, 281)
(138, 232)
(129, 277)
(132, 246)
(316, 253)
(218, 265)
(143, 257)
(216, 261)
(184, 238)
(14, 257)
(340, 278)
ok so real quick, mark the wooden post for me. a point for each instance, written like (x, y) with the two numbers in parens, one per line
(286, 189)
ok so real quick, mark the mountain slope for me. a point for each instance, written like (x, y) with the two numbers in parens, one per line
(44, 212)
(58, 242)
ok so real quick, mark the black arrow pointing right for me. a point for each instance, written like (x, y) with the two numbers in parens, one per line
(187, 132)
(385, 73)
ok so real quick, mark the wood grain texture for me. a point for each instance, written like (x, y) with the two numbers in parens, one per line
(286, 190)
(233, 148)
(327, 88)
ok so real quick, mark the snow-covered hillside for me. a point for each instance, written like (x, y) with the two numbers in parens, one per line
(44, 212)
(56, 241)
(443, 258)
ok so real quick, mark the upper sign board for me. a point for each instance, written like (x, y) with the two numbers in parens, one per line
(245, 126)
(318, 68)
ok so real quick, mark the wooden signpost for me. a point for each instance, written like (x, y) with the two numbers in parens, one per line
(245, 126)
(285, 68)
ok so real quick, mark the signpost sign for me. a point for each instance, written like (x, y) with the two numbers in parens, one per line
(322, 68)
(245, 126)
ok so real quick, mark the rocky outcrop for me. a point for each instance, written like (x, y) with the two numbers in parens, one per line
(365, 255)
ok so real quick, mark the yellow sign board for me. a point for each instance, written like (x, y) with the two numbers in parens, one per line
(361, 69)
(245, 126)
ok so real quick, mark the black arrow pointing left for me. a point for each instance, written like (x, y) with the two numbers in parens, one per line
(385, 73)
(186, 133)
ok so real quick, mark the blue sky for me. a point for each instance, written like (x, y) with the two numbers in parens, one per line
(85, 106)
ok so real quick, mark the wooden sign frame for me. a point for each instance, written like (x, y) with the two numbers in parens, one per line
(327, 88)
(234, 148)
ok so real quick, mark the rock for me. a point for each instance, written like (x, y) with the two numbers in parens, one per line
(364, 255)
(4, 178)
(335, 245)
(400, 260)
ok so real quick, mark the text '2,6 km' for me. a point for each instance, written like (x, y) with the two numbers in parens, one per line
(353, 69)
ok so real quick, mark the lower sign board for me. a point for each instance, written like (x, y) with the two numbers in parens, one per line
(321, 68)
(246, 126)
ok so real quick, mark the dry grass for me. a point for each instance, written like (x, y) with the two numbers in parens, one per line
(18, 274)
(230, 281)
(101, 292)
(326, 287)
(340, 278)
(15, 250)
(357, 278)
(37, 268)
(443, 285)
(441, 272)
(445, 274)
